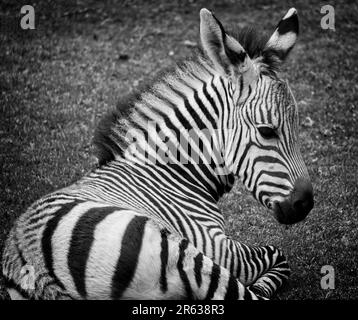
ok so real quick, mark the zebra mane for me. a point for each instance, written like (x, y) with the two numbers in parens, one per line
(254, 44)
(109, 135)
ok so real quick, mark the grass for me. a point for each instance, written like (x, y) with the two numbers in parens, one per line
(57, 81)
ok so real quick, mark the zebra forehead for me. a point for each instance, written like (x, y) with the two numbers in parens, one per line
(274, 89)
(274, 100)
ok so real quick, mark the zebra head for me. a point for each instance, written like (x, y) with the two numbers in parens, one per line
(261, 141)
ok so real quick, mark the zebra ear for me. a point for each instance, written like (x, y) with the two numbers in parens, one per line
(225, 52)
(285, 35)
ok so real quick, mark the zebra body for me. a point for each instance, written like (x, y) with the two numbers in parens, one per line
(90, 223)
(145, 224)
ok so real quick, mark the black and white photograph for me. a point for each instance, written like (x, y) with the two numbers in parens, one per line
(178, 150)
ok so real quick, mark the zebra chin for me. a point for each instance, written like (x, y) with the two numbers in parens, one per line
(297, 205)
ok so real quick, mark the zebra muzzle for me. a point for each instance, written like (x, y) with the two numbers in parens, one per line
(297, 205)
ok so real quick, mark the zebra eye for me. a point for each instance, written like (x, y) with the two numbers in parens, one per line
(267, 132)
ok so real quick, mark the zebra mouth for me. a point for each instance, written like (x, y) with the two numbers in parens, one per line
(285, 213)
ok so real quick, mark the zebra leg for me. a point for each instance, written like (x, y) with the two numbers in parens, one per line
(170, 267)
(266, 268)
(22, 280)
(274, 275)
(12, 263)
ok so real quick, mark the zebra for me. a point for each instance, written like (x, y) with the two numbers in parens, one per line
(145, 223)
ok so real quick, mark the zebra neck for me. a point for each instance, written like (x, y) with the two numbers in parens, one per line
(179, 123)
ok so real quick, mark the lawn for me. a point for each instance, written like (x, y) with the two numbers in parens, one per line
(58, 80)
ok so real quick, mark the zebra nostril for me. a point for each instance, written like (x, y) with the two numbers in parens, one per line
(268, 204)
